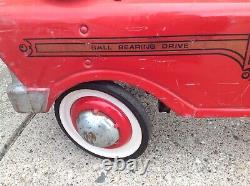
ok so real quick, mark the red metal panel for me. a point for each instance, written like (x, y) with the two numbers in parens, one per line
(192, 56)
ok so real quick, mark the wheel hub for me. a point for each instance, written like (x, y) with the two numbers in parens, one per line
(97, 129)
(100, 123)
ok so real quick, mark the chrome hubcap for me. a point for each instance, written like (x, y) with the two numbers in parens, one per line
(97, 129)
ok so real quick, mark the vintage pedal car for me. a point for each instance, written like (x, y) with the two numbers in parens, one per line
(191, 55)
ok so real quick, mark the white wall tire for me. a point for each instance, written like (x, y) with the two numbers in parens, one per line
(117, 96)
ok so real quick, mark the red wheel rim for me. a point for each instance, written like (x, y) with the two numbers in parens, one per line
(99, 105)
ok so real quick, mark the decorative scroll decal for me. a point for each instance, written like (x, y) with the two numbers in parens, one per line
(236, 47)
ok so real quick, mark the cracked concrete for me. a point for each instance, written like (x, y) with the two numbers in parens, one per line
(11, 138)
(182, 151)
(8, 124)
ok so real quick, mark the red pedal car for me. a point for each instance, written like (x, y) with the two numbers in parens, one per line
(193, 56)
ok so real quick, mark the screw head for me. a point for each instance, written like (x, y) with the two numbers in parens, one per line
(84, 29)
(88, 63)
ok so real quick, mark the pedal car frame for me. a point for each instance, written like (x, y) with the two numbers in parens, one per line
(193, 57)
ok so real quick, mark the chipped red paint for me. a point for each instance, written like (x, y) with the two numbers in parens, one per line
(205, 84)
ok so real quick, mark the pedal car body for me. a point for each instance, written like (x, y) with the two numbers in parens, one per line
(192, 56)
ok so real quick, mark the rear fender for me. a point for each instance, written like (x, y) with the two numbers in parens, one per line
(167, 97)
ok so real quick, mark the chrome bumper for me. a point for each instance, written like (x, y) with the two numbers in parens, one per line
(27, 100)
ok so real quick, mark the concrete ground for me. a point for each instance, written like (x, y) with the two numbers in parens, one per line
(34, 151)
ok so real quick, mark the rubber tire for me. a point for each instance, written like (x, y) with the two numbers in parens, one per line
(126, 98)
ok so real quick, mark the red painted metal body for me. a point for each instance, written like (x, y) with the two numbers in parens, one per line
(194, 84)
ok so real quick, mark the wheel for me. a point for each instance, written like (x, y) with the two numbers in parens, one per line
(104, 119)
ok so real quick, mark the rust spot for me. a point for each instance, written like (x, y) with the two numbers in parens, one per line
(90, 137)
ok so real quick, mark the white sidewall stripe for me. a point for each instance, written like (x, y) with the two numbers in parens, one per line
(65, 115)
